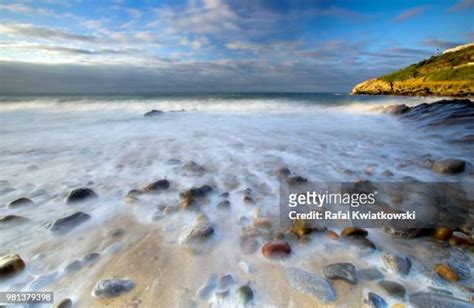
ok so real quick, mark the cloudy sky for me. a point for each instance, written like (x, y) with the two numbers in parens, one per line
(219, 45)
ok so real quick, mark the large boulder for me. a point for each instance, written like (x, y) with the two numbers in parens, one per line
(11, 264)
(449, 166)
(81, 194)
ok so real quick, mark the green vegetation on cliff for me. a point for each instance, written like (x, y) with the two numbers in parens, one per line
(450, 73)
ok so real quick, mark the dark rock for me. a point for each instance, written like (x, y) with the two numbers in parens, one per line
(199, 233)
(11, 264)
(65, 303)
(397, 263)
(248, 200)
(354, 232)
(344, 271)
(396, 109)
(20, 202)
(81, 194)
(12, 218)
(449, 166)
(65, 224)
(370, 274)
(376, 301)
(153, 113)
(276, 249)
(157, 186)
(292, 180)
(109, 288)
(393, 288)
(197, 192)
(244, 294)
(310, 284)
(224, 204)
(425, 299)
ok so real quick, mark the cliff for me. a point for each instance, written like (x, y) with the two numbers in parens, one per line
(448, 74)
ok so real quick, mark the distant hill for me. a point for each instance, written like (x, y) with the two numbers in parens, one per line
(447, 74)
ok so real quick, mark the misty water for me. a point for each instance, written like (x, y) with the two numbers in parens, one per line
(50, 145)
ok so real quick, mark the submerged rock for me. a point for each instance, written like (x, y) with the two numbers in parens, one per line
(277, 249)
(292, 180)
(109, 288)
(449, 166)
(153, 113)
(310, 284)
(371, 274)
(344, 271)
(65, 303)
(396, 263)
(224, 204)
(81, 194)
(11, 264)
(20, 202)
(65, 224)
(205, 291)
(225, 282)
(425, 299)
(376, 301)
(194, 167)
(157, 186)
(189, 197)
(446, 272)
(393, 288)
(244, 294)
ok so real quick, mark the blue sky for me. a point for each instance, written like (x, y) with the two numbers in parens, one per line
(218, 45)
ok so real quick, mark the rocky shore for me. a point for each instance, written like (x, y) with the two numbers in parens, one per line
(198, 236)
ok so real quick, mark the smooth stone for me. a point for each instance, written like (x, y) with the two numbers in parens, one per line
(65, 224)
(371, 274)
(205, 291)
(91, 257)
(442, 234)
(153, 113)
(73, 266)
(425, 299)
(11, 264)
(81, 194)
(276, 249)
(397, 263)
(393, 288)
(376, 301)
(12, 218)
(109, 288)
(344, 271)
(244, 294)
(446, 272)
(199, 233)
(65, 303)
(354, 232)
(20, 202)
(157, 186)
(449, 166)
(360, 242)
(310, 284)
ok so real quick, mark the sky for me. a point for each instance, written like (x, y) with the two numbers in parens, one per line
(219, 45)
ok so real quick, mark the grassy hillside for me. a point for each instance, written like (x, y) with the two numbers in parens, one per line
(451, 73)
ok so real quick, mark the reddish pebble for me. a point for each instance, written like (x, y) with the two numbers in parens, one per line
(276, 249)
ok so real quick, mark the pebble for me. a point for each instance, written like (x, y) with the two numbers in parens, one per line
(371, 274)
(397, 263)
(11, 264)
(354, 232)
(310, 284)
(199, 233)
(376, 301)
(156, 186)
(244, 294)
(449, 166)
(425, 299)
(20, 202)
(109, 288)
(276, 249)
(442, 234)
(73, 266)
(65, 224)
(81, 194)
(344, 271)
(446, 272)
(393, 288)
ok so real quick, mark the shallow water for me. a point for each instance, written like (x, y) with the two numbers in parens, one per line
(51, 145)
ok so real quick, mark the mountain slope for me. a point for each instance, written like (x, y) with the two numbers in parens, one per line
(448, 74)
